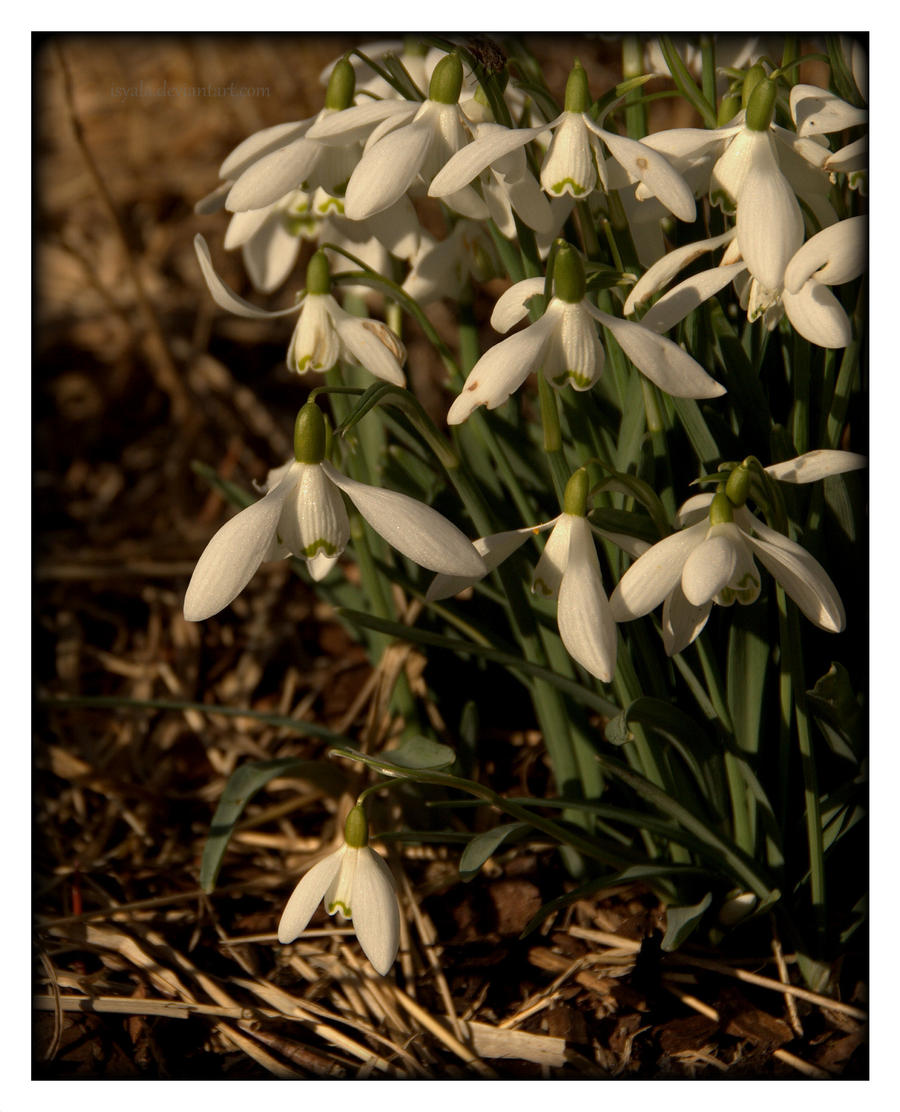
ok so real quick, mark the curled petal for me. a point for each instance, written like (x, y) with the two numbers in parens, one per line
(661, 360)
(855, 156)
(231, 558)
(835, 255)
(818, 315)
(817, 112)
(226, 298)
(414, 529)
(376, 914)
(373, 345)
(307, 895)
(585, 620)
(654, 575)
(512, 305)
(815, 465)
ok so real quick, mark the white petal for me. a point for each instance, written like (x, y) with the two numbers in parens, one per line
(488, 147)
(652, 577)
(229, 561)
(585, 620)
(530, 204)
(213, 202)
(818, 315)
(816, 111)
(681, 621)
(512, 305)
(272, 177)
(306, 897)
(550, 567)
(710, 566)
(689, 295)
(574, 160)
(270, 256)
(815, 465)
(244, 225)
(658, 175)
(353, 124)
(663, 271)
(226, 298)
(314, 521)
(501, 370)
(769, 221)
(661, 360)
(387, 170)
(835, 255)
(376, 914)
(695, 508)
(493, 550)
(260, 144)
(373, 345)
(414, 529)
(315, 345)
(802, 577)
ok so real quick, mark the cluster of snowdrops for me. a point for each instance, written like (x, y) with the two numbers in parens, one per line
(403, 123)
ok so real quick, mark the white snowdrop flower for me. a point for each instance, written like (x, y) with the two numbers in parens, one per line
(442, 268)
(325, 333)
(574, 163)
(303, 514)
(831, 257)
(353, 882)
(713, 561)
(564, 345)
(408, 148)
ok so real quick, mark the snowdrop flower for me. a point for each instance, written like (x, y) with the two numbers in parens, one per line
(303, 513)
(713, 560)
(325, 333)
(568, 570)
(818, 112)
(443, 268)
(408, 148)
(565, 346)
(574, 162)
(831, 257)
(355, 883)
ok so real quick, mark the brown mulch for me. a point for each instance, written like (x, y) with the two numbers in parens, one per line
(137, 973)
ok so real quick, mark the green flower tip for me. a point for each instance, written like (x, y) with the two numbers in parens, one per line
(310, 435)
(446, 81)
(578, 97)
(761, 105)
(341, 86)
(721, 511)
(577, 489)
(356, 829)
(737, 489)
(568, 274)
(318, 274)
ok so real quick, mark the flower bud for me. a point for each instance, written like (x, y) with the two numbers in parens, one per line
(761, 105)
(318, 274)
(568, 275)
(721, 511)
(356, 829)
(310, 435)
(578, 97)
(446, 81)
(577, 489)
(737, 488)
(341, 86)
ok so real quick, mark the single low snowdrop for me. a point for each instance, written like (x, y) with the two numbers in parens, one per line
(353, 882)
(833, 256)
(564, 345)
(325, 333)
(574, 163)
(410, 145)
(303, 514)
(712, 559)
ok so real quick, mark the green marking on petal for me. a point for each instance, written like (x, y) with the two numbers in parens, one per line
(580, 380)
(561, 379)
(319, 545)
(339, 905)
(331, 203)
(541, 586)
(561, 185)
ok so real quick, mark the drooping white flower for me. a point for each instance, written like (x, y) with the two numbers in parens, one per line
(355, 883)
(324, 333)
(443, 268)
(574, 163)
(408, 148)
(303, 514)
(564, 345)
(831, 257)
(712, 560)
